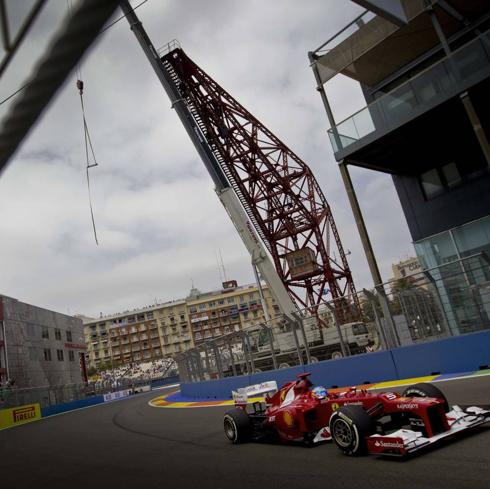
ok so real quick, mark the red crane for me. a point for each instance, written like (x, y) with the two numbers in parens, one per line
(275, 187)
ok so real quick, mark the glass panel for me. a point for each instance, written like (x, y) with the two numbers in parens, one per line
(451, 174)
(431, 183)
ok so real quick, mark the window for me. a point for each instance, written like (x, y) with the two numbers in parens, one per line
(57, 334)
(438, 180)
(202, 307)
(45, 333)
(69, 336)
(193, 309)
(71, 355)
(221, 302)
(451, 174)
(59, 354)
(47, 354)
(149, 315)
(182, 317)
(231, 300)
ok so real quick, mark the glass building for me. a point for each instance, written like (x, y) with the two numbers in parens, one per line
(427, 123)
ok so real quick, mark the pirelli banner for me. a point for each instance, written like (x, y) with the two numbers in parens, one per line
(19, 415)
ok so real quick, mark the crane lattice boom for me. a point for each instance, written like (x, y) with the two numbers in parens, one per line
(275, 187)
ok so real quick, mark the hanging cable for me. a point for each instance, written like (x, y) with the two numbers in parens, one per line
(88, 144)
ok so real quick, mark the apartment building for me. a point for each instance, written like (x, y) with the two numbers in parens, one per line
(163, 330)
(143, 334)
(232, 308)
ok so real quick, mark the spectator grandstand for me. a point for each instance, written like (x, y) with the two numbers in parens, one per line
(136, 372)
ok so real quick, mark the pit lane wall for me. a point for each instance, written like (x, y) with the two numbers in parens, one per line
(447, 356)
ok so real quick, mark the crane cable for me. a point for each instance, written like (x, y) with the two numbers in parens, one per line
(88, 144)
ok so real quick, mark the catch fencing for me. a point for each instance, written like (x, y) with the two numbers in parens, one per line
(448, 300)
(55, 395)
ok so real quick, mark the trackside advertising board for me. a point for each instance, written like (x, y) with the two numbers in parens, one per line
(19, 415)
(117, 395)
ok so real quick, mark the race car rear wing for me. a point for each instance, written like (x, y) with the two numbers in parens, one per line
(241, 395)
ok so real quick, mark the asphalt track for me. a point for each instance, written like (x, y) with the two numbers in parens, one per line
(129, 444)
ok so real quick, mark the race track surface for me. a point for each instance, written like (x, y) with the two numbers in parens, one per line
(128, 444)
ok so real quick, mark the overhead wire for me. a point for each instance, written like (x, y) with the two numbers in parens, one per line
(98, 34)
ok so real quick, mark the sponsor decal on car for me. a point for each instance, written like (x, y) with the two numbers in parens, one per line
(388, 444)
(408, 405)
(288, 418)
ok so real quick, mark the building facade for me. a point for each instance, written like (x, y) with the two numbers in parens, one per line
(38, 347)
(167, 329)
(141, 335)
(427, 124)
(230, 309)
(407, 267)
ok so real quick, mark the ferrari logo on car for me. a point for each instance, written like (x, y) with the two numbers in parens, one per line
(288, 419)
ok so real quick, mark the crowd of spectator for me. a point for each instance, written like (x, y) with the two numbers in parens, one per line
(137, 372)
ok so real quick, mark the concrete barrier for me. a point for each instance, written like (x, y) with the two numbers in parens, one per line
(464, 353)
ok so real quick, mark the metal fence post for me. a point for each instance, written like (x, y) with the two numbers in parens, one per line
(345, 352)
(252, 363)
(299, 319)
(230, 350)
(271, 344)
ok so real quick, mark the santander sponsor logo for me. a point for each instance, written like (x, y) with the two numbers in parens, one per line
(407, 405)
(388, 444)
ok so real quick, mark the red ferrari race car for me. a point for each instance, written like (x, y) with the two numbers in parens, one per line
(356, 420)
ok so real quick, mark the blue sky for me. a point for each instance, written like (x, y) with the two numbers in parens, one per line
(159, 222)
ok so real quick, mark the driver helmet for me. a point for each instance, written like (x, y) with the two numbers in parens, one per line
(320, 392)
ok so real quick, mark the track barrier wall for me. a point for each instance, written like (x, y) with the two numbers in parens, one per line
(451, 355)
(166, 381)
(70, 406)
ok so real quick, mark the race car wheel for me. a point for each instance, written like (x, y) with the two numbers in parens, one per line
(426, 390)
(237, 426)
(349, 427)
(336, 355)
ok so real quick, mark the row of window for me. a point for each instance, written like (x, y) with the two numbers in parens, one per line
(57, 334)
(59, 354)
(229, 300)
(439, 180)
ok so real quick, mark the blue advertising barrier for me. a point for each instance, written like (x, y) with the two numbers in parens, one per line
(464, 353)
(166, 381)
(70, 406)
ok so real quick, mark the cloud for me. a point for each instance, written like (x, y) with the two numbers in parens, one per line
(158, 219)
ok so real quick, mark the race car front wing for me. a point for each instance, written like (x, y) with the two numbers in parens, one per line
(404, 442)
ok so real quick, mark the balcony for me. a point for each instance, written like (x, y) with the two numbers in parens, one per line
(444, 80)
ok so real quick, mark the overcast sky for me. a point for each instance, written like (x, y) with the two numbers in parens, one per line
(159, 222)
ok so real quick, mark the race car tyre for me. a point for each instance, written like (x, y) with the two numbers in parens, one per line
(426, 390)
(237, 426)
(284, 365)
(349, 427)
(336, 355)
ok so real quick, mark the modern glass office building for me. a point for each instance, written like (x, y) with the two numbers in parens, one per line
(427, 123)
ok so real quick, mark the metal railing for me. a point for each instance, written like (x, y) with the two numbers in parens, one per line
(430, 86)
(448, 300)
